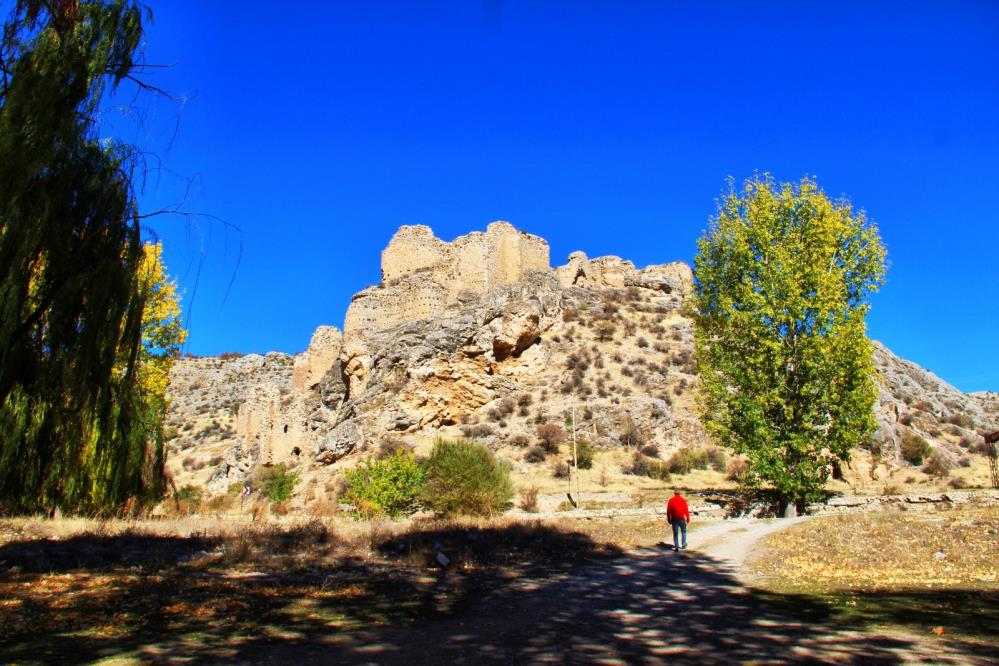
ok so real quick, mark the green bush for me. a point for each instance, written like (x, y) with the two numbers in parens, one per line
(389, 486)
(914, 448)
(191, 494)
(584, 454)
(687, 460)
(643, 466)
(276, 483)
(466, 478)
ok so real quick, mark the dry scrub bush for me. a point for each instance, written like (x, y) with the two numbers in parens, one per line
(914, 448)
(940, 463)
(529, 500)
(737, 469)
(650, 450)
(535, 454)
(551, 436)
(520, 440)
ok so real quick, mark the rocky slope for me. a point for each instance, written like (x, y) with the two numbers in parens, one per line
(480, 338)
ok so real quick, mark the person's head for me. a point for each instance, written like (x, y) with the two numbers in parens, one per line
(676, 491)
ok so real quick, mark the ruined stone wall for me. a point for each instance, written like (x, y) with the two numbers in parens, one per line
(312, 364)
(412, 248)
(421, 274)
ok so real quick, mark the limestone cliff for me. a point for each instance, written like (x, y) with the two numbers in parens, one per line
(481, 337)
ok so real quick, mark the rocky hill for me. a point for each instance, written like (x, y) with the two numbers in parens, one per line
(481, 338)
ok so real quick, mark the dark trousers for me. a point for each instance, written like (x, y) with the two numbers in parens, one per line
(679, 525)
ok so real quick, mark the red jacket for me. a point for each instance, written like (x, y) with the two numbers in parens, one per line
(677, 508)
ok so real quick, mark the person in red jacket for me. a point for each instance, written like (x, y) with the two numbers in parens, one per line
(678, 515)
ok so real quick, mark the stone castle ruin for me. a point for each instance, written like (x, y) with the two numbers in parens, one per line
(421, 274)
(451, 327)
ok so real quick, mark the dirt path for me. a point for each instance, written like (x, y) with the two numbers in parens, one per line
(651, 606)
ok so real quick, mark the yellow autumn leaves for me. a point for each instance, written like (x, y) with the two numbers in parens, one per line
(162, 330)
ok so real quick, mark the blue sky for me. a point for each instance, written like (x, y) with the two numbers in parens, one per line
(309, 132)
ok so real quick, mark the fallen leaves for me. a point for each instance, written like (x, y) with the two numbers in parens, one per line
(886, 551)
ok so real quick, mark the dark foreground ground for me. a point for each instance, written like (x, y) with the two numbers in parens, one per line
(510, 593)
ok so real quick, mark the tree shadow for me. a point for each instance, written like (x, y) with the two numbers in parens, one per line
(515, 594)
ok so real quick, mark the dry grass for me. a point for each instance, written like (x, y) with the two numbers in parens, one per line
(886, 551)
(73, 590)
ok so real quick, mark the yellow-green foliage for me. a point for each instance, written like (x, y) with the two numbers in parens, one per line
(276, 483)
(914, 448)
(466, 478)
(81, 409)
(163, 333)
(388, 486)
(782, 277)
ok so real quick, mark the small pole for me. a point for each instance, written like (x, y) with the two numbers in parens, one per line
(575, 456)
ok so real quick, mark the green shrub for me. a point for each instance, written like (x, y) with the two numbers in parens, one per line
(466, 478)
(914, 448)
(642, 466)
(388, 486)
(190, 494)
(276, 483)
(584, 454)
(687, 460)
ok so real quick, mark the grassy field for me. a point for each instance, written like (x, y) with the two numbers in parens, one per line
(932, 572)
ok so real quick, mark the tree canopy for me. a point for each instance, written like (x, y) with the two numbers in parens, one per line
(80, 395)
(782, 277)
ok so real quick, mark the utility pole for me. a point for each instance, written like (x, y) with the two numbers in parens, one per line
(575, 455)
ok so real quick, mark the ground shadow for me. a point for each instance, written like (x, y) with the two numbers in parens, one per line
(522, 594)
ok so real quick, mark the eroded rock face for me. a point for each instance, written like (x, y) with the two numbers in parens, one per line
(442, 369)
(912, 400)
(460, 332)
(339, 442)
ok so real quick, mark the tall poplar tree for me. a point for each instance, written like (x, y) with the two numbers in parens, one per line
(77, 430)
(782, 279)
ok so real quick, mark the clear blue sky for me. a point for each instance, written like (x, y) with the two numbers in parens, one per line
(317, 128)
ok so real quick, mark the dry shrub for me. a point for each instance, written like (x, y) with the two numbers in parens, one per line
(650, 450)
(914, 448)
(520, 440)
(551, 436)
(687, 460)
(535, 454)
(717, 458)
(529, 500)
(560, 470)
(940, 463)
(643, 466)
(737, 469)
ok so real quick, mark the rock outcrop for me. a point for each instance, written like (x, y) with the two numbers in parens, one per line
(481, 337)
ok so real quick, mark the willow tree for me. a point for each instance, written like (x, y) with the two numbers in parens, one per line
(77, 430)
(782, 280)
